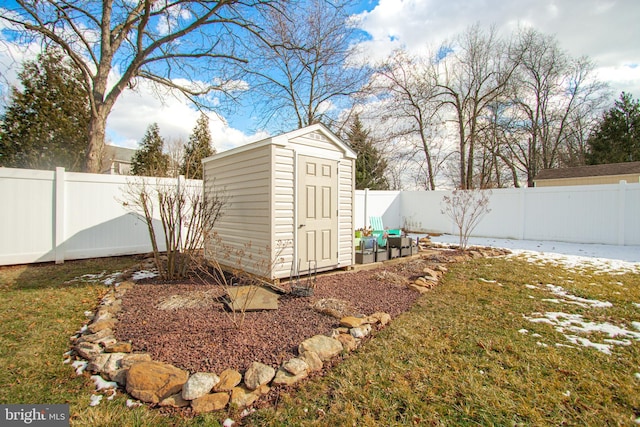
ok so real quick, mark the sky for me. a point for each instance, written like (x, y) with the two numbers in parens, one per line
(605, 30)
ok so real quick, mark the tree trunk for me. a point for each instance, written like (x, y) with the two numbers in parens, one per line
(95, 147)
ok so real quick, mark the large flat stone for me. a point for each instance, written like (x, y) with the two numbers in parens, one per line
(251, 298)
(154, 381)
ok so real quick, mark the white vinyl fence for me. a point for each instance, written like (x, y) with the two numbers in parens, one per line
(605, 214)
(57, 216)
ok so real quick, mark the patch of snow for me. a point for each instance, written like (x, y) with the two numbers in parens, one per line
(80, 366)
(83, 329)
(133, 404)
(523, 331)
(144, 274)
(636, 325)
(88, 313)
(95, 399)
(102, 384)
(585, 342)
(487, 281)
(566, 393)
(541, 344)
(583, 302)
(531, 286)
(579, 256)
(228, 422)
(637, 375)
(536, 335)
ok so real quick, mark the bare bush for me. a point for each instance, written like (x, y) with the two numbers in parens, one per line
(466, 208)
(186, 218)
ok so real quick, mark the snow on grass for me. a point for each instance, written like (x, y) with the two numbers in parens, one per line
(144, 274)
(79, 366)
(102, 277)
(613, 259)
(102, 384)
(571, 324)
(572, 299)
(95, 399)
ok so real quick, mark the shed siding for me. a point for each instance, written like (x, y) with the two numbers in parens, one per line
(316, 140)
(283, 211)
(245, 224)
(345, 214)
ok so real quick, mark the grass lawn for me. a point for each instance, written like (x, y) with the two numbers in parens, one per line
(480, 349)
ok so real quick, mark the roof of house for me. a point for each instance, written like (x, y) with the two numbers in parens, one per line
(591, 170)
(120, 154)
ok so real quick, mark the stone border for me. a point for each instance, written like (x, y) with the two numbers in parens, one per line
(168, 386)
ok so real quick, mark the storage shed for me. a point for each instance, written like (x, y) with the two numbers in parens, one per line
(290, 204)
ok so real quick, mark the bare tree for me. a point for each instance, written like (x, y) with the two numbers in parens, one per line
(167, 43)
(471, 78)
(408, 86)
(466, 208)
(554, 98)
(305, 63)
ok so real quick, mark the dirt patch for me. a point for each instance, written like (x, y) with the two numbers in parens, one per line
(186, 325)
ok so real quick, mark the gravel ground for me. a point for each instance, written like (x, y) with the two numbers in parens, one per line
(186, 325)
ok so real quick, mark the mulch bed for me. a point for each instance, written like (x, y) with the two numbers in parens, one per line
(203, 336)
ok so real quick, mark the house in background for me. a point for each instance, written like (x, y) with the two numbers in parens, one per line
(117, 160)
(611, 173)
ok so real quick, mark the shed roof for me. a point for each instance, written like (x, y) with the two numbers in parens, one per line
(284, 138)
(591, 170)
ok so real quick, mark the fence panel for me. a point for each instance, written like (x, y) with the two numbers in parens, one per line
(57, 216)
(606, 214)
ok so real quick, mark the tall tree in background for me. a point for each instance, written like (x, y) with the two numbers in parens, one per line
(471, 80)
(198, 147)
(370, 165)
(408, 84)
(45, 124)
(617, 138)
(305, 64)
(149, 160)
(114, 43)
(552, 95)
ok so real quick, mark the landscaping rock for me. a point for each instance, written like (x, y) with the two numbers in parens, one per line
(210, 402)
(383, 318)
(286, 378)
(88, 350)
(154, 381)
(118, 347)
(198, 385)
(349, 343)
(295, 366)
(312, 360)
(229, 378)
(130, 359)
(101, 324)
(258, 374)
(325, 347)
(175, 401)
(97, 337)
(420, 289)
(97, 364)
(360, 332)
(351, 322)
(243, 397)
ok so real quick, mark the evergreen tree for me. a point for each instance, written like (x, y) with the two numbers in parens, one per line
(46, 123)
(370, 165)
(198, 147)
(617, 137)
(149, 160)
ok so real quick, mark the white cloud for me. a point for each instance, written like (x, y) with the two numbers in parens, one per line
(136, 110)
(605, 30)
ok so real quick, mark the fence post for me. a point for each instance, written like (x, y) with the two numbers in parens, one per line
(622, 189)
(58, 215)
(366, 205)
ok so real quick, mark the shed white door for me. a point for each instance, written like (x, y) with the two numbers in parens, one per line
(317, 212)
